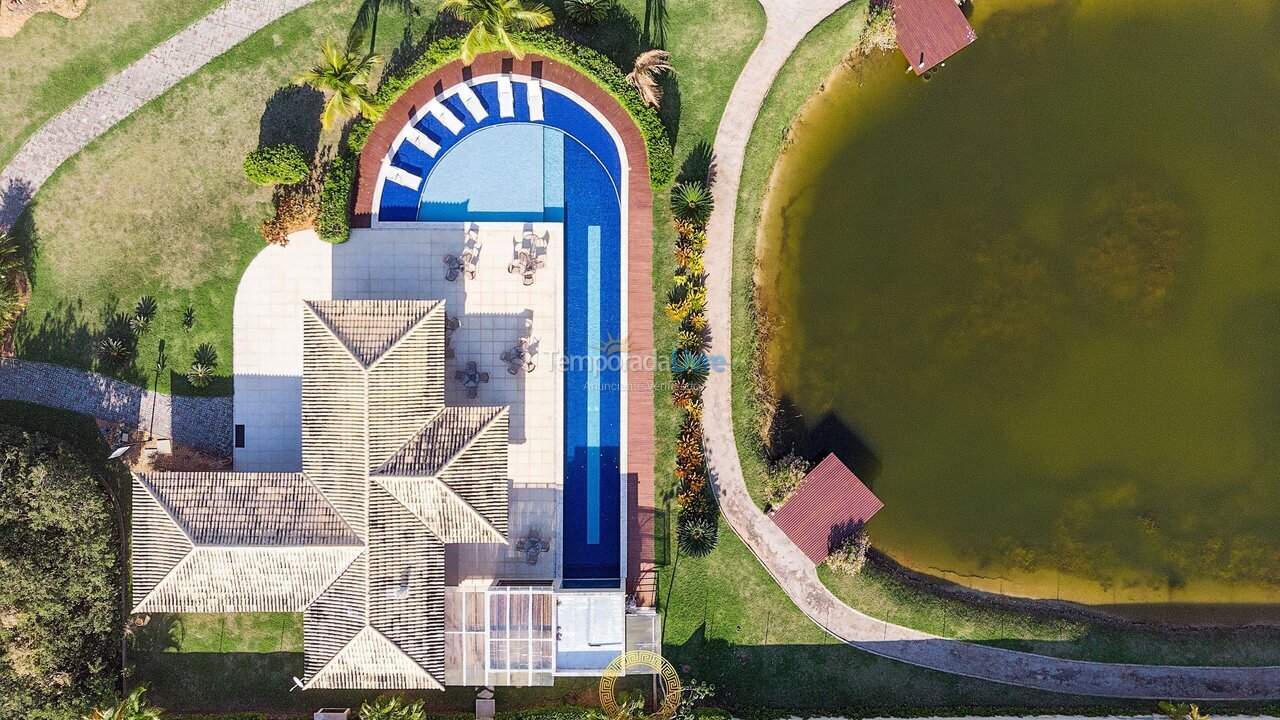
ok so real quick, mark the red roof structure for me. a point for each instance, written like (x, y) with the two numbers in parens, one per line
(930, 31)
(828, 506)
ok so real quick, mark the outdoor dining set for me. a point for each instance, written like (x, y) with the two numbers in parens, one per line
(464, 265)
(530, 256)
(533, 546)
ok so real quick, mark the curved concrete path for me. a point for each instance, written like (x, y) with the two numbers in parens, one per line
(202, 423)
(138, 84)
(788, 22)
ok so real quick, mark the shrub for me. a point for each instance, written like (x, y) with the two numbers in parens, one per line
(691, 367)
(206, 355)
(189, 318)
(588, 12)
(335, 200)
(784, 476)
(691, 202)
(276, 165)
(392, 707)
(200, 375)
(881, 32)
(696, 535)
(59, 582)
(851, 555)
(297, 208)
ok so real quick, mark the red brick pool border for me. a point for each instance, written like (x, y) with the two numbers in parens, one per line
(640, 390)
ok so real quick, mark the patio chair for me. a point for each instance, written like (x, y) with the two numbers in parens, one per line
(530, 366)
(528, 276)
(471, 366)
(457, 374)
(449, 352)
(513, 367)
(540, 242)
(472, 392)
(451, 274)
(453, 323)
(484, 377)
(506, 356)
(515, 268)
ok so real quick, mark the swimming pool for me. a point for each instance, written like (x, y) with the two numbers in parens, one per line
(563, 167)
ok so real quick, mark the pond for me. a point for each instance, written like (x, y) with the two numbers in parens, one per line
(1034, 300)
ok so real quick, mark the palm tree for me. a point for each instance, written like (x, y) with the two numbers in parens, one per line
(493, 21)
(696, 535)
(344, 76)
(392, 707)
(132, 707)
(644, 75)
(367, 21)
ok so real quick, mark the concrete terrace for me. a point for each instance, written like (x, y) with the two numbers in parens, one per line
(407, 264)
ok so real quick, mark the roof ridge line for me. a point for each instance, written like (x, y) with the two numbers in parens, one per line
(151, 493)
(437, 413)
(435, 305)
(368, 626)
(452, 493)
(307, 478)
(498, 410)
(333, 333)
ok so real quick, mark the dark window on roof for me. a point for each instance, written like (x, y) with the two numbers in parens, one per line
(239, 436)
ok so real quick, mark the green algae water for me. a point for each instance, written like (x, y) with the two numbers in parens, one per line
(1034, 300)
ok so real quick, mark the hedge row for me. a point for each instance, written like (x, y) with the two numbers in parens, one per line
(335, 200)
(662, 164)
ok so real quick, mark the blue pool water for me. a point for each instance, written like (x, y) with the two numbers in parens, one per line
(567, 169)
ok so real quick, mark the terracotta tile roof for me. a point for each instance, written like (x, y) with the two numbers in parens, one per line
(370, 329)
(828, 505)
(930, 31)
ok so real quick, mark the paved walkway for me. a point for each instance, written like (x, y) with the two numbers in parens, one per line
(202, 423)
(114, 100)
(788, 22)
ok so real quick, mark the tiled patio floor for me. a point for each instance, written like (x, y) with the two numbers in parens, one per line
(495, 310)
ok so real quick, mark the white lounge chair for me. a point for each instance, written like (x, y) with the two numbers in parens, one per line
(506, 97)
(417, 139)
(472, 103)
(400, 176)
(452, 122)
(535, 100)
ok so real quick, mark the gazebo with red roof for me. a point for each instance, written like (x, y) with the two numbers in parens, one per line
(828, 506)
(930, 31)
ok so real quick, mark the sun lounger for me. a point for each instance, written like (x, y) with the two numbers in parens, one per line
(535, 100)
(506, 97)
(472, 103)
(452, 122)
(422, 142)
(400, 176)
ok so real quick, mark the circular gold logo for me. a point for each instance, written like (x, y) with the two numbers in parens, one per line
(639, 659)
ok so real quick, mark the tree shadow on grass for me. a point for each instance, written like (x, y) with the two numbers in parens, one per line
(14, 199)
(699, 165)
(669, 107)
(655, 24)
(617, 36)
(292, 115)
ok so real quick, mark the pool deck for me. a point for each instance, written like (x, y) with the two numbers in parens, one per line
(495, 309)
(639, 470)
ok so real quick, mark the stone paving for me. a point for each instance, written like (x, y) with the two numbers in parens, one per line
(788, 22)
(160, 69)
(202, 423)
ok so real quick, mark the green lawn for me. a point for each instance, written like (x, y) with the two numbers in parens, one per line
(110, 227)
(880, 594)
(53, 61)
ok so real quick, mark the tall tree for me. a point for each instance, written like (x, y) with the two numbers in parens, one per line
(344, 76)
(366, 24)
(493, 21)
(644, 75)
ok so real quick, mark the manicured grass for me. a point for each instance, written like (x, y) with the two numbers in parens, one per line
(53, 61)
(159, 205)
(882, 595)
(825, 47)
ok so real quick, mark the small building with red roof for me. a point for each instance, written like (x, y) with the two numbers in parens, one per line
(930, 31)
(828, 506)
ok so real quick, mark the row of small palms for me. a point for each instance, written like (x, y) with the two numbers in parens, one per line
(344, 74)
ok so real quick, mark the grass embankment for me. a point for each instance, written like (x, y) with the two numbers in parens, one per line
(1012, 624)
(53, 61)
